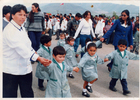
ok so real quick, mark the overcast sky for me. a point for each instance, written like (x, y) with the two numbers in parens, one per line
(28, 3)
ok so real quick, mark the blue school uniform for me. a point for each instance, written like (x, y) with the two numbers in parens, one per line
(89, 66)
(57, 86)
(70, 56)
(61, 42)
(45, 53)
(120, 63)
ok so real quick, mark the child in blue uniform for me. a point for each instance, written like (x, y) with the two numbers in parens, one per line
(88, 65)
(58, 86)
(61, 41)
(70, 58)
(44, 51)
(83, 49)
(120, 62)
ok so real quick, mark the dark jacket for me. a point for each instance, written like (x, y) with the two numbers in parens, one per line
(120, 33)
(72, 27)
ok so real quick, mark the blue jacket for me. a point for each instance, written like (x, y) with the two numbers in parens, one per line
(120, 33)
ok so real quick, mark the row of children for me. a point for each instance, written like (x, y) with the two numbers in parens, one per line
(63, 60)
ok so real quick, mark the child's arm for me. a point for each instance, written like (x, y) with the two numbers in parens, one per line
(99, 60)
(109, 56)
(98, 43)
(133, 56)
(82, 50)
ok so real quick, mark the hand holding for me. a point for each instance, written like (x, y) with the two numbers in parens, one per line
(76, 69)
(44, 61)
(106, 59)
(101, 39)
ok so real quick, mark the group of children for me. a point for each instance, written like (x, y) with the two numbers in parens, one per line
(64, 60)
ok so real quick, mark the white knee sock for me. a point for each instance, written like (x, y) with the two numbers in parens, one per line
(84, 90)
(89, 84)
(70, 72)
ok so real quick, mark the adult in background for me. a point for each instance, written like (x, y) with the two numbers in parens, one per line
(71, 29)
(123, 30)
(64, 23)
(85, 29)
(136, 25)
(99, 29)
(35, 25)
(6, 15)
(17, 53)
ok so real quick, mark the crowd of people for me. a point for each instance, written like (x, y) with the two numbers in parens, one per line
(27, 39)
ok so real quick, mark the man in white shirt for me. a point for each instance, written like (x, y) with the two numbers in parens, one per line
(50, 26)
(99, 28)
(6, 15)
(57, 27)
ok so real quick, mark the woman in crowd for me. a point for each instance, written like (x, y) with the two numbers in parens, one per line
(123, 30)
(35, 25)
(85, 29)
(17, 54)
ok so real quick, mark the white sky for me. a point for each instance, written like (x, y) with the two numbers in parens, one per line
(28, 3)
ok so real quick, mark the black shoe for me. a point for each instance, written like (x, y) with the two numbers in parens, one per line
(89, 88)
(126, 92)
(113, 89)
(42, 88)
(85, 94)
(71, 76)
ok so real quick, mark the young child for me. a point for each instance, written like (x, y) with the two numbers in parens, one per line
(136, 42)
(58, 86)
(70, 54)
(83, 50)
(88, 63)
(120, 62)
(61, 41)
(44, 51)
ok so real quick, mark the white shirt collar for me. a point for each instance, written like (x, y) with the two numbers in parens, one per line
(16, 25)
(46, 47)
(5, 19)
(124, 25)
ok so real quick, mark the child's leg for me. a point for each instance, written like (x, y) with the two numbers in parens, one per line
(85, 84)
(71, 75)
(84, 93)
(112, 84)
(88, 86)
(40, 82)
(124, 86)
(93, 81)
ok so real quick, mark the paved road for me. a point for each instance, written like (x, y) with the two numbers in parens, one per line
(100, 87)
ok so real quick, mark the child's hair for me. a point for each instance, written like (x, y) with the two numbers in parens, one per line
(45, 39)
(69, 39)
(87, 40)
(123, 42)
(6, 9)
(62, 34)
(91, 45)
(59, 50)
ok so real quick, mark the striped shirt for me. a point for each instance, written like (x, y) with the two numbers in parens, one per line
(38, 25)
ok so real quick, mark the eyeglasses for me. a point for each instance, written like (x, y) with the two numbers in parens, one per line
(123, 15)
